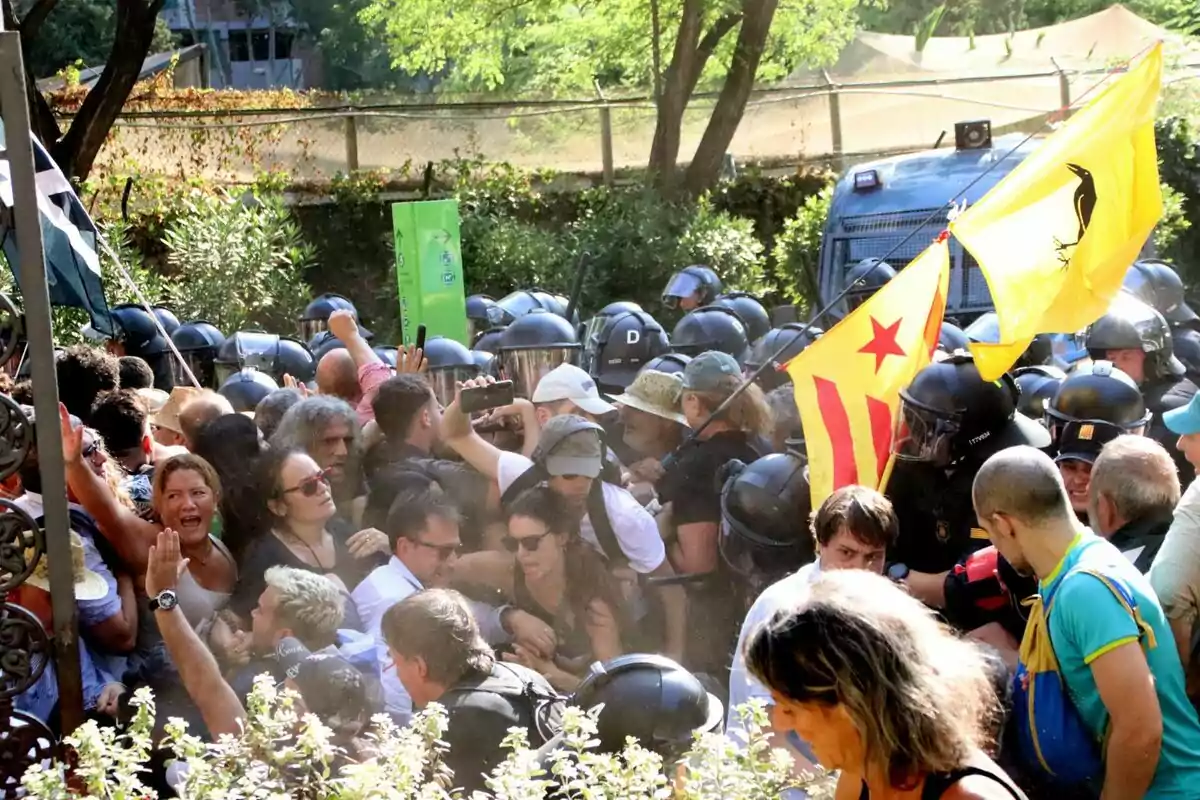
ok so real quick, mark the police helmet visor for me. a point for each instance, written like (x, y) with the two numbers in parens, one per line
(312, 327)
(200, 362)
(591, 341)
(681, 286)
(443, 381)
(526, 368)
(923, 435)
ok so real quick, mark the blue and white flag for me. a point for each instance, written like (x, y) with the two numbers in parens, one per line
(68, 236)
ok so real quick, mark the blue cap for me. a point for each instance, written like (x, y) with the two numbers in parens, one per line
(1186, 420)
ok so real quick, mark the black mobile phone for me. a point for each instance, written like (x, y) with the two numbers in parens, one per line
(420, 337)
(481, 398)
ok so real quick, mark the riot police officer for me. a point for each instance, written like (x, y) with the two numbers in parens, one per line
(322, 343)
(315, 318)
(765, 535)
(1038, 385)
(749, 311)
(591, 331)
(1097, 391)
(485, 362)
(626, 344)
(138, 334)
(245, 388)
(794, 337)
(449, 363)
(670, 363)
(711, 328)
(1137, 340)
(986, 329)
(273, 356)
(515, 305)
(691, 288)
(198, 342)
(864, 279)
(533, 345)
(1157, 284)
(479, 315)
(489, 341)
(952, 339)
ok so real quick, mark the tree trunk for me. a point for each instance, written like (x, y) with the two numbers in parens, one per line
(665, 148)
(41, 118)
(705, 168)
(76, 152)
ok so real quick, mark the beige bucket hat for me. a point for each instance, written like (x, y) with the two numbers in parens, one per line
(654, 393)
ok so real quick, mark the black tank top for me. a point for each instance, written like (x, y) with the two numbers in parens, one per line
(939, 783)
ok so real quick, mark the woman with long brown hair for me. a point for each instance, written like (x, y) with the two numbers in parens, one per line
(557, 577)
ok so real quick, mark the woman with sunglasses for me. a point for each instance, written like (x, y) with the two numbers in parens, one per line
(551, 573)
(302, 530)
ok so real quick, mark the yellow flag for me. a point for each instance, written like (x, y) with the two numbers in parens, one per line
(1056, 236)
(848, 382)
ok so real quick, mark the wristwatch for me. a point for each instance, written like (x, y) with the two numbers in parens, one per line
(898, 573)
(165, 601)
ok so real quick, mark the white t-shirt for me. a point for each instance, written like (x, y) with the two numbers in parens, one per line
(635, 529)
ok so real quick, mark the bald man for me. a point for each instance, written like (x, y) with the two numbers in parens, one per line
(199, 411)
(337, 376)
(1127, 684)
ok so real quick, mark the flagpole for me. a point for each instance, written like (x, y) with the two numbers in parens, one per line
(693, 435)
(35, 295)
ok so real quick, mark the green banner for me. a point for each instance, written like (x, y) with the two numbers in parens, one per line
(429, 269)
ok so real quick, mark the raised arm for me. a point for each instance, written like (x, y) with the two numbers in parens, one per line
(129, 534)
(458, 433)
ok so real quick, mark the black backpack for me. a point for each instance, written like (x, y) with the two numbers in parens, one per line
(542, 706)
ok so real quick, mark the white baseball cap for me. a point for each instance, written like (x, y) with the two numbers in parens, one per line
(568, 382)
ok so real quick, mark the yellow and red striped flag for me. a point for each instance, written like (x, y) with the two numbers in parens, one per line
(848, 382)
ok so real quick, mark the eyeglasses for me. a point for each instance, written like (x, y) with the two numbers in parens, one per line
(310, 486)
(90, 450)
(444, 551)
(529, 544)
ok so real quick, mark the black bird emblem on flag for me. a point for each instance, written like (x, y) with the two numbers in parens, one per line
(1085, 204)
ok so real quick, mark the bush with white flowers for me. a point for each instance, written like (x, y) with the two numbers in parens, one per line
(282, 755)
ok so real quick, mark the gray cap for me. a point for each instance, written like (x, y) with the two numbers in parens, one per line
(578, 453)
(709, 372)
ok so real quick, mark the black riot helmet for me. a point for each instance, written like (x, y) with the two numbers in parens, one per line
(478, 318)
(695, 284)
(323, 343)
(138, 332)
(1038, 385)
(533, 345)
(952, 339)
(449, 362)
(628, 342)
(198, 342)
(1186, 342)
(1098, 391)
(795, 335)
(489, 341)
(513, 306)
(387, 354)
(986, 329)
(1156, 283)
(765, 507)
(871, 274)
(1130, 324)
(650, 698)
(749, 311)
(166, 317)
(670, 363)
(949, 412)
(590, 337)
(711, 328)
(246, 388)
(315, 318)
(273, 356)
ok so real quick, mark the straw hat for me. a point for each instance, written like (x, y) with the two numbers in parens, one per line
(654, 393)
(168, 415)
(88, 585)
(154, 399)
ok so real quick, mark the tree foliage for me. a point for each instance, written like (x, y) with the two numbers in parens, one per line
(981, 17)
(353, 56)
(81, 31)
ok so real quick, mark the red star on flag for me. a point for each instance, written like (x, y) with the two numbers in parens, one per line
(883, 342)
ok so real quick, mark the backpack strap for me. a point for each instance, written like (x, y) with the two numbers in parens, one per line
(937, 785)
(524, 482)
(1124, 596)
(602, 525)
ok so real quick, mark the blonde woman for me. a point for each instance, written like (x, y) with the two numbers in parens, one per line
(881, 691)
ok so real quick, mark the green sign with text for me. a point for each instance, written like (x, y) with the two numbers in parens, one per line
(429, 269)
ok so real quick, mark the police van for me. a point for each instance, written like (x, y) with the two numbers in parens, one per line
(877, 204)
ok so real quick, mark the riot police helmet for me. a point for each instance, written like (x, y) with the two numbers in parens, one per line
(749, 311)
(691, 287)
(1038, 385)
(711, 328)
(198, 343)
(478, 317)
(167, 319)
(323, 343)
(138, 332)
(949, 412)
(1186, 342)
(315, 318)
(951, 339)
(866, 278)
(485, 361)
(765, 508)
(591, 331)
(387, 354)
(449, 363)
(246, 388)
(670, 363)
(295, 359)
(489, 341)
(1097, 390)
(794, 337)
(273, 356)
(533, 345)
(1157, 283)
(1130, 324)
(626, 344)
(513, 306)
(651, 698)
(986, 329)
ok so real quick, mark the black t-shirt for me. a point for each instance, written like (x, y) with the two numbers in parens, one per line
(692, 485)
(1161, 397)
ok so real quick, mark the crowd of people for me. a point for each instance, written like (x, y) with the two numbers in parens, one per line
(633, 527)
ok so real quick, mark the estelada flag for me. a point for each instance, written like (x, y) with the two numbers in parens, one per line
(1056, 236)
(848, 382)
